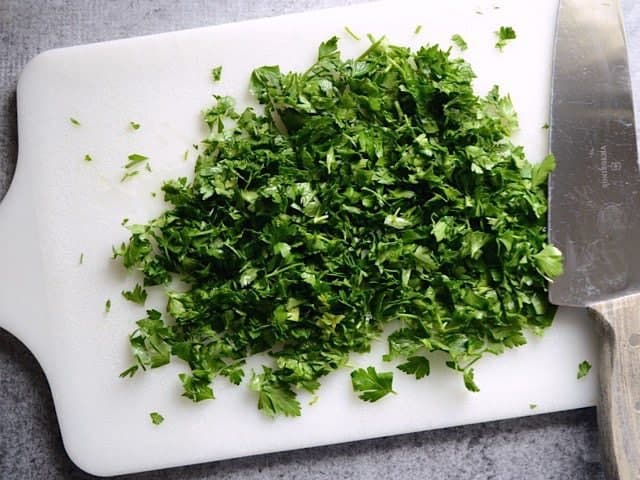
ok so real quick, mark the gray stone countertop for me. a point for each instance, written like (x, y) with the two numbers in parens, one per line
(560, 446)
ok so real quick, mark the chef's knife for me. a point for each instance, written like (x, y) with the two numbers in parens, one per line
(594, 209)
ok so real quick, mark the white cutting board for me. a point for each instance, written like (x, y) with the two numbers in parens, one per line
(60, 207)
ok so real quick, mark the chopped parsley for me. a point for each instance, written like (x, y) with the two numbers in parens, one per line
(459, 42)
(156, 418)
(504, 34)
(134, 125)
(583, 369)
(418, 29)
(88, 158)
(107, 306)
(74, 122)
(372, 192)
(81, 259)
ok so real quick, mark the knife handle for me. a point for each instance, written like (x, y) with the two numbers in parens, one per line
(619, 407)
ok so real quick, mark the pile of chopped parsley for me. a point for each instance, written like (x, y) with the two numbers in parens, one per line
(373, 191)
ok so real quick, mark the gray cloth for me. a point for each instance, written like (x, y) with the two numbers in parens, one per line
(546, 447)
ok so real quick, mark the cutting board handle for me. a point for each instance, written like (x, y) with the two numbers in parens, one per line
(619, 408)
(22, 293)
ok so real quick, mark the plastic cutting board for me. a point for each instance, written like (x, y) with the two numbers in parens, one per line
(60, 207)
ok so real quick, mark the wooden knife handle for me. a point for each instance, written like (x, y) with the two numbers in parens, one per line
(619, 407)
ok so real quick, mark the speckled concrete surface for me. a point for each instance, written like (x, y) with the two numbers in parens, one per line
(562, 446)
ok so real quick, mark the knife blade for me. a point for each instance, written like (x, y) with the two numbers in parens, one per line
(594, 209)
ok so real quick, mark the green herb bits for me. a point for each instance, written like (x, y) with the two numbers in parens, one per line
(375, 190)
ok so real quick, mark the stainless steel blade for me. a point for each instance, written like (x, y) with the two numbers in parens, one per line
(594, 193)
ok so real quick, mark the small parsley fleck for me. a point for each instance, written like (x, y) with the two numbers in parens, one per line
(156, 418)
(74, 122)
(88, 158)
(137, 295)
(216, 73)
(351, 34)
(128, 175)
(129, 372)
(134, 125)
(583, 369)
(135, 159)
(459, 42)
(504, 35)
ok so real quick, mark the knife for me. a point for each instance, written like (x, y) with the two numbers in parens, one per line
(594, 210)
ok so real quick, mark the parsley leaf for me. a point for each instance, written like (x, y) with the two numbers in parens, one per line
(583, 369)
(372, 385)
(196, 386)
(549, 261)
(274, 396)
(416, 365)
(541, 172)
